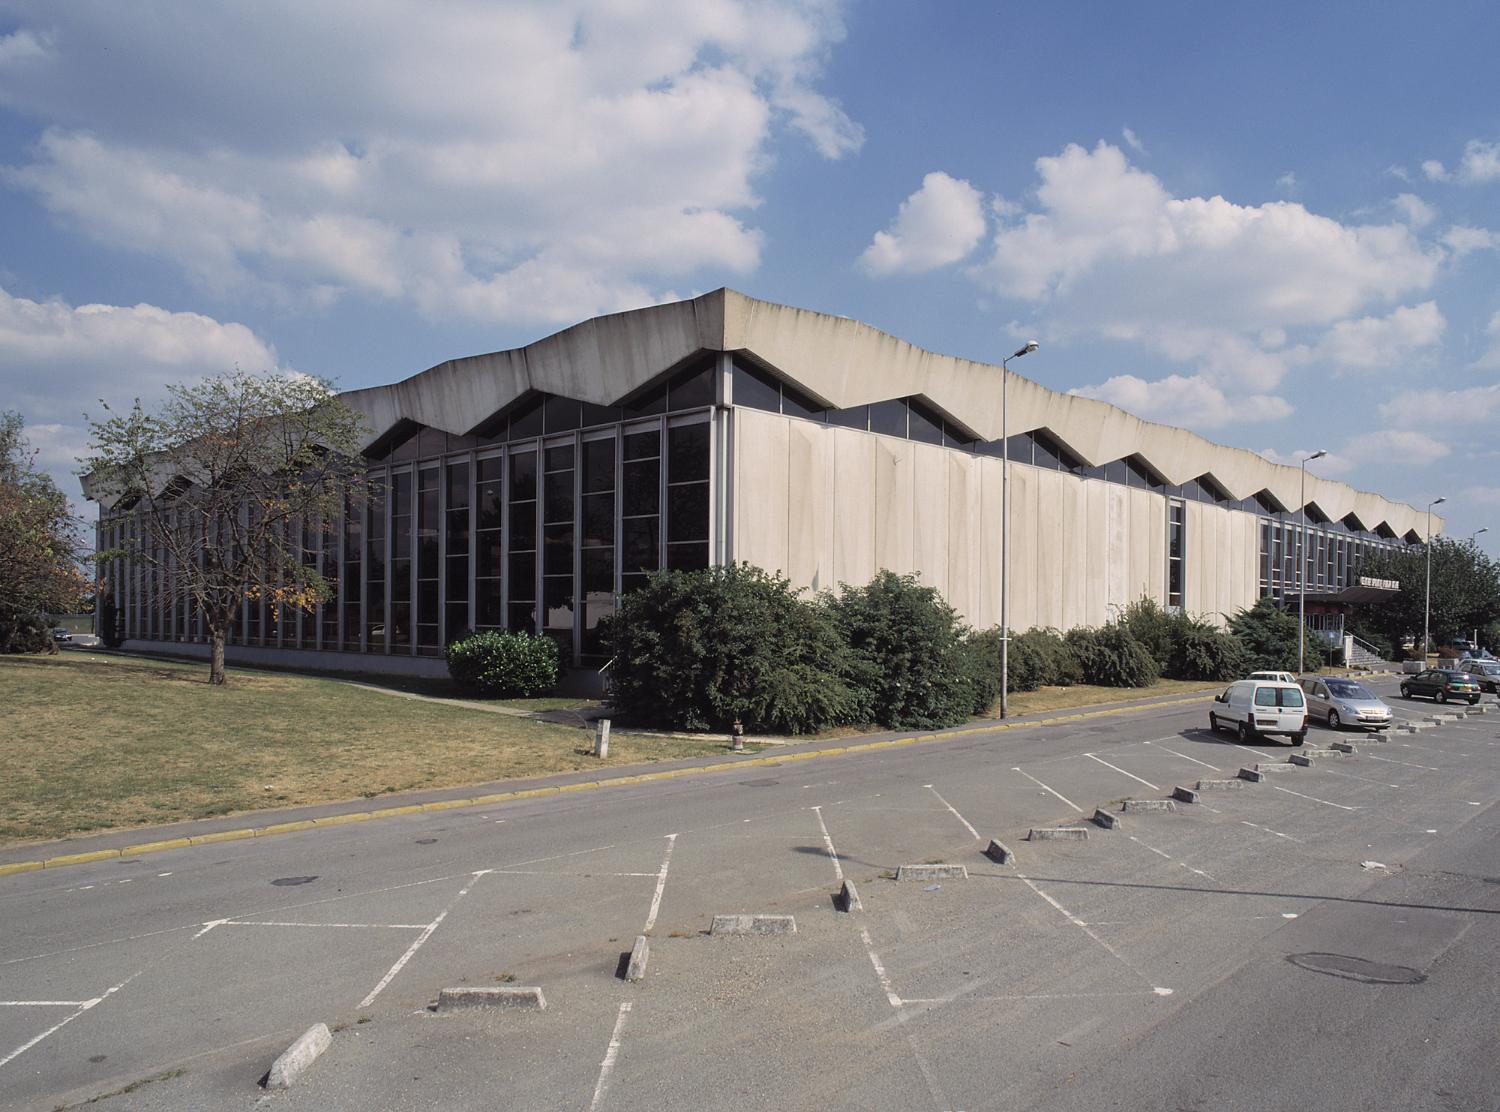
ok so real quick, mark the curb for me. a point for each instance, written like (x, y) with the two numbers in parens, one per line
(584, 785)
(297, 1057)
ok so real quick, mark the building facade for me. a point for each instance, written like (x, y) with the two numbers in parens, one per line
(529, 489)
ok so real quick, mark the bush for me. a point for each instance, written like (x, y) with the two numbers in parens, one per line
(1110, 657)
(979, 656)
(1042, 658)
(907, 644)
(1268, 636)
(504, 665)
(1158, 630)
(1204, 653)
(26, 633)
(696, 650)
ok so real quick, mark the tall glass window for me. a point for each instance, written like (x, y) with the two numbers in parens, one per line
(1176, 517)
(640, 508)
(489, 494)
(558, 532)
(375, 581)
(522, 542)
(456, 584)
(597, 539)
(687, 496)
(427, 559)
(354, 547)
(401, 534)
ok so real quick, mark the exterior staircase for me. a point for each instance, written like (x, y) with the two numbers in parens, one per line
(1364, 655)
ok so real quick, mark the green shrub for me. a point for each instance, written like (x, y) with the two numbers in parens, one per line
(908, 652)
(696, 650)
(1110, 657)
(1204, 653)
(1268, 636)
(504, 665)
(979, 656)
(1037, 658)
(1157, 629)
(26, 633)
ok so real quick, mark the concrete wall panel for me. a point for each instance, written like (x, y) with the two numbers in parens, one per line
(762, 489)
(930, 493)
(809, 516)
(853, 498)
(895, 507)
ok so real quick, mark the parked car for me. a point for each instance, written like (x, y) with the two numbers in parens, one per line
(60, 635)
(1255, 707)
(1341, 702)
(1486, 673)
(1442, 684)
(1274, 677)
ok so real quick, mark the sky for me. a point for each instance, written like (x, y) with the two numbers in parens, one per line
(1275, 224)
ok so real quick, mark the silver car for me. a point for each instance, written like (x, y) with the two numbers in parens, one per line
(1341, 702)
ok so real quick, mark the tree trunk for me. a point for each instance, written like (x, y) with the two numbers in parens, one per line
(216, 657)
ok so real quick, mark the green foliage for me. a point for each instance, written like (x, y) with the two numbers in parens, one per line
(1110, 657)
(1155, 628)
(1184, 647)
(1465, 592)
(1268, 637)
(40, 548)
(1042, 658)
(696, 650)
(26, 633)
(504, 665)
(908, 652)
(979, 660)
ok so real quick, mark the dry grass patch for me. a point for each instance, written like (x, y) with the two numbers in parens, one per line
(91, 743)
(1087, 695)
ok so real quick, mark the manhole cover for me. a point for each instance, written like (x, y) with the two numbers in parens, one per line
(291, 881)
(1357, 969)
(759, 783)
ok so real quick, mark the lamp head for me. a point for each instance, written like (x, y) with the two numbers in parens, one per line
(1438, 501)
(1031, 346)
(1319, 454)
(1486, 529)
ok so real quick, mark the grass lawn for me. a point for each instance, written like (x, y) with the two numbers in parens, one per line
(1083, 694)
(93, 742)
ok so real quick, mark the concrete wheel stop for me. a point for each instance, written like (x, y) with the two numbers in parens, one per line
(466, 998)
(753, 924)
(296, 1058)
(1058, 834)
(932, 872)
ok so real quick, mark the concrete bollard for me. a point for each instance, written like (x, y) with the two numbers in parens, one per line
(1185, 795)
(1058, 834)
(848, 898)
(753, 924)
(1107, 821)
(297, 1057)
(639, 955)
(1131, 806)
(465, 997)
(999, 853)
(932, 872)
(601, 738)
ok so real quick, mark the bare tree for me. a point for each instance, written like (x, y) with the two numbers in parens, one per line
(219, 485)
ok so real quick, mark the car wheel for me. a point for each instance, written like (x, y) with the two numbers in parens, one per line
(1213, 723)
(1333, 720)
(1247, 732)
(1473, 700)
(1405, 692)
(1442, 695)
(1299, 737)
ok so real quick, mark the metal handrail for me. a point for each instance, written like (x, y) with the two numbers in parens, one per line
(1369, 648)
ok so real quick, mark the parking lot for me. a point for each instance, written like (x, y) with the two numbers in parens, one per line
(1331, 917)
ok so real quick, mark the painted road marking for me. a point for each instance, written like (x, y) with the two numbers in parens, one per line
(1081, 925)
(956, 815)
(1122, 772)
(1315, 799)
(607, 1067)
(838, 870)
(1044, 787)
(423, 937)
(83, 1007)
(1169, 857)
(1184, 756)
(350, 926)
(661, 884)
(1278, 833)
(1403, 764)
(885, 981)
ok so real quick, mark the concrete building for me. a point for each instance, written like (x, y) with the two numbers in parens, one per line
(527, 489)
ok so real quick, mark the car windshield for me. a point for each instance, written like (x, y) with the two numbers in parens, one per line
(1348, 689)
(1278, 697)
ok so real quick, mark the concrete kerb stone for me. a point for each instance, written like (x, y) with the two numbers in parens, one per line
(1220, 785)
(1058, 834)
(1302, 759)
(1105, 820)
(932, 872)
(501, 996)
(848, 897)
(1184, 795)
(999, 853)
(1253, 775)
(1132, 806)
(640, 954)
(1342, 747)
(296, 1058)
(753, 924)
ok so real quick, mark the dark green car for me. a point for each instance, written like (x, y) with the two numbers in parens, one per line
(1442, 684)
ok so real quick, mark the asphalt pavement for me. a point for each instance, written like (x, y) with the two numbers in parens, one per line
(1325, 938)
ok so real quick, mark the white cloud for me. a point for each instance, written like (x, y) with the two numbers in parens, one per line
(1402, 447)
(937, 225)
(1378, 342)
(1186, 400)
(1462, 239)
(520, 160)
(1287, 183)
(1442, 409)
(1479, 165)
(1490, 360)
(1133, 141)
(1415, 211)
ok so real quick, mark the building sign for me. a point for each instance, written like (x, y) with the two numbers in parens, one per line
(1383, 584)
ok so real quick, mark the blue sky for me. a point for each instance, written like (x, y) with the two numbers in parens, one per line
(1277, 224)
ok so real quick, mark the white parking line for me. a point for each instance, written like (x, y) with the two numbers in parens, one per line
(885, 981)
(423, 937)
(42, 1003)
(1169, 857)
(83, 1007)
(1278, 833)
(350, 926)
(1081, 925)
(607, 1067)
(1122, 772)
(1315, 799)
(1361, 779)
(661, 884)
(950, 807)
(1044, 787)
(1184, 756)
(1403, 764)
(838, 870)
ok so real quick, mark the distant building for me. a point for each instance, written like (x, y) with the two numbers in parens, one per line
(528, 489)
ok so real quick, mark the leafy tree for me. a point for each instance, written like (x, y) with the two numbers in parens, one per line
(1465, 592)
(1268, 636)
(40, 545)
(222, 479)
(1110, 657)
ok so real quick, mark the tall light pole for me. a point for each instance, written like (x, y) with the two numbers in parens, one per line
(1476, 533)
(1302, 559)
(1427, 596)
(1474, 642)
(1005, 525)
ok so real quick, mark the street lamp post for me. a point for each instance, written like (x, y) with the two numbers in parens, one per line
(1427, 595)
(1302, 560)
(1005, 524)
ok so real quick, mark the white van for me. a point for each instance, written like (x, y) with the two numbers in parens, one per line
(1279, 677)
(1255, 707)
